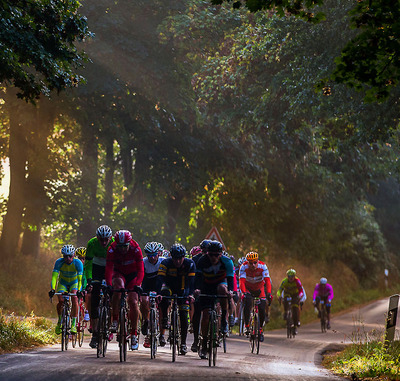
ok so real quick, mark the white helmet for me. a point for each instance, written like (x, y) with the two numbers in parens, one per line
(323, 281)
(68, 250)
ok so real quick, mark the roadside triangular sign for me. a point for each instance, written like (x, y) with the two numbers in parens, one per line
(213, 234)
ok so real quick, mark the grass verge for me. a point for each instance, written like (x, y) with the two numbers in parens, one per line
(366, 361)
(21, 333)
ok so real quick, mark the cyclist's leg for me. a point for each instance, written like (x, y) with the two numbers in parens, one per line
(145, 312)
(328, 313)
(74, 310)
(247, 302)
(184, 324)
(133, 300)
(117, 283)
(196, 324)
(317, 305)
(163, 308)
(261, 311)
(222, 289)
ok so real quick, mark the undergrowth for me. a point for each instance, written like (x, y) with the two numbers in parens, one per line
(20, 333)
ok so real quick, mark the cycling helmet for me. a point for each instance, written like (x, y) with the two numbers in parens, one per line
(323, 281)
(252, 256)
(177, 250)
(80, 252)
(195, 250)
(291, 272)
(123, 237)
(204, 244)
(68, 250)
(153, 248)
(104, 232)
(165, 254)
(214, 247)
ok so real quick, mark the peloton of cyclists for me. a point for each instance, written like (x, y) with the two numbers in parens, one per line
(68, 271)
(125, 269)
(176, 277)
(255, 282)
(151, 265)
(323, 291)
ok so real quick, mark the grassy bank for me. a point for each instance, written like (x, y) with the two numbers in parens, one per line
(366, 361)
(21, 333)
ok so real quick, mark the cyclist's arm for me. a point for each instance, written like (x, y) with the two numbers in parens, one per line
(109, 269)
(281, 288)
(54, 278)
(140, 266)
(242, 284)
(88, 261)
(161, 276)
(267, 284)
(190, 279)
(299, 287)
(316, 292)
(330, 291)
(79, 273)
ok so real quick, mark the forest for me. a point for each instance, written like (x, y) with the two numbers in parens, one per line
(170, 117)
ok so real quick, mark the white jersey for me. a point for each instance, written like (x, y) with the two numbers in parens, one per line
(150, 270)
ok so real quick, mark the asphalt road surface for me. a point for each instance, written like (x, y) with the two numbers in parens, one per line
(279, 359)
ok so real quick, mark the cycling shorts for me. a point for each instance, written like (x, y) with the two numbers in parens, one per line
(64, 286)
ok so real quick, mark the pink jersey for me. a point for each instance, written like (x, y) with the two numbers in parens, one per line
(323, 292)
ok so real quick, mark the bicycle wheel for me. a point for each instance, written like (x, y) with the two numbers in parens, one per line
(257, 321)
(122, 335)
(215, 340)
(100, 335)
(289, 324)
(63, 328)
(153, 334)
(174, 333)
(81, 325)
(67, 327)
(210, 341)
(105, 326)
(253, 334)
(323, 319)
(241, 319)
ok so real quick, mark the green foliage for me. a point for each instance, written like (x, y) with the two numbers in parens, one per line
(19, 333)
(37, 50)
(371, 359)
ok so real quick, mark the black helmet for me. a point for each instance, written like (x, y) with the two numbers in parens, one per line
(215, 247)
(177, 250)
(204, 244)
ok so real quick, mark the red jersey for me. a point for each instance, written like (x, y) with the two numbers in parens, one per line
(253, 279)
(125, 264)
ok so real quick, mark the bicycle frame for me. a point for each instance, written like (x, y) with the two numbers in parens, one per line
(104, 323)
(291, 329)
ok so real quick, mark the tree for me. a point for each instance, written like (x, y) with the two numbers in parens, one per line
(37, 50)
(369, 62)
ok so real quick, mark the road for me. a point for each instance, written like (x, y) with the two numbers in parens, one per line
(279, 359)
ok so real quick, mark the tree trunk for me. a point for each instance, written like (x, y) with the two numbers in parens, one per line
(18, 157)
(36, 200)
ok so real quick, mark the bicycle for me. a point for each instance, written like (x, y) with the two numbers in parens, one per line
(324, 316)
(65, 319)
(174, 334)
(104, 322)
(290, 327)
(154, 326)
(124, 326)
(214, 334)
(255, 327)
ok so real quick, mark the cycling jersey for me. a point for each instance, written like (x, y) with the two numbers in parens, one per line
(255, 278)
(323, 292)
(69, 275)
(179, 280)
(291, 288)
(95, 255)
(128, 265)
(150, 274)
(209, 276)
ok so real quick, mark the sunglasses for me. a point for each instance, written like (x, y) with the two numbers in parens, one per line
(68, 256)
(253, 262)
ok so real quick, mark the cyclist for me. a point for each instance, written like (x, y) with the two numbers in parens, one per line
(176, 277)
(255, 282)
(214, 276)
(323, 291)
(151, 264)
(80, 253)
(125, 269)
(291, 286)
(196, 305)
(68, 271)
(95, 265)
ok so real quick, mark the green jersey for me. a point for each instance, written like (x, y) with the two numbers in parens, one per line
(95, 254)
